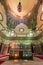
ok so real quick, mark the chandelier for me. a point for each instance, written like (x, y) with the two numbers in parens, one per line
(19, 7)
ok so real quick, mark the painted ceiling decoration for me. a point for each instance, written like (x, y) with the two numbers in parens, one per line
(12, 21)
(21, 29)
(41, 17)
(3, 18)
(19, 20)
(14, 16)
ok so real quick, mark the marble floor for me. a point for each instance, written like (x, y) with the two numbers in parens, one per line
(35, 61)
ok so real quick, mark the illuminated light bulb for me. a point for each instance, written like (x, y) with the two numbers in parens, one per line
(21, 30)
(16, 55)
(12, 33)
(26, 55)
(31, 33)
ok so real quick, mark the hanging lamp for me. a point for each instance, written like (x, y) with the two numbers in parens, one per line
(19, 7)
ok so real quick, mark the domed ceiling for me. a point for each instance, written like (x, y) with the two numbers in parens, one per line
(15, 21)
(15, 17)
(27, 6)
